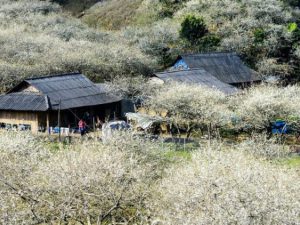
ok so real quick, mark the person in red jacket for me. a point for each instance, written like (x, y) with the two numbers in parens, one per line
(82, 127)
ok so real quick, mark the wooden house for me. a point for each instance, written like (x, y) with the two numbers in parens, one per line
(56, 101)
(226, 67)
(196, 76)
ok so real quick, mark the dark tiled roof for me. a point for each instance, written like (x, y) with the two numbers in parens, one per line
(69, 91)
(227, 67)
(85, 101)
(72, 91)
(197, 76)
(24, 102)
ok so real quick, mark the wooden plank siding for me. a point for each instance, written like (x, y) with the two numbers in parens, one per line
(12, 117)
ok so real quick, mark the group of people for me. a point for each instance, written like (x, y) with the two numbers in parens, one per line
(82, 124)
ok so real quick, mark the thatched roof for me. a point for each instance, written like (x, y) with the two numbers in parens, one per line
(227, 67)
(197, 76)
(65, 91)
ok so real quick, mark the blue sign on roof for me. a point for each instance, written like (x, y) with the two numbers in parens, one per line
(180, 65)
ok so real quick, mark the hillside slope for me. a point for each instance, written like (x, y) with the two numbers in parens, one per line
(132, 37)
(37, 38)
(76, 6)
(112, 14)
(266, 33)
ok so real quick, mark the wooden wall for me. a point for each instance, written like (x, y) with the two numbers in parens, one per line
(11, 117)
(68, 117)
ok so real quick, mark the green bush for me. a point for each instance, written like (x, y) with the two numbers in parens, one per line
(209, 42)
(259, 35)
(294, 3)
(193, 28)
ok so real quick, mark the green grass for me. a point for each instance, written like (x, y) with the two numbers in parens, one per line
(291, 162)
(179, 151)
(173, 155)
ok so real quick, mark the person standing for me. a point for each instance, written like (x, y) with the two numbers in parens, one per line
(82, 126)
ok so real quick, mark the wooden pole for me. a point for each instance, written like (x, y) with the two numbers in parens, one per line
(48, 123)
(37, 123)
(94, 128)
(94, 125)
(59, 136)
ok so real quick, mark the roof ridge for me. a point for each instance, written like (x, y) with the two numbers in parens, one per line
(84, 96)
(185, 70)
(25, 93)
(68, 89)
(209, 53)
(53, 75)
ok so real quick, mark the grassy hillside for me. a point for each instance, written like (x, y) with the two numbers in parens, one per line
(125, 38)
(265, 33)
(113, 15)
(76, 6)
(38, 38)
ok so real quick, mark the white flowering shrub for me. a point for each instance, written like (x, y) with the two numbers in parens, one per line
(297, 52)
(226, 187)
(135, 88)
(261, 146)
(190, 106)
(261, 105)
(83, 183)
(158, 40)
(136, 181)
(252, 110)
